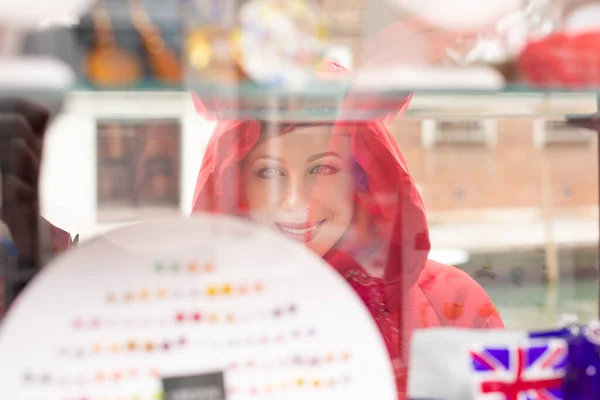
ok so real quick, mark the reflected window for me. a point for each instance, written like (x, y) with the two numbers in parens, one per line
(138, 168)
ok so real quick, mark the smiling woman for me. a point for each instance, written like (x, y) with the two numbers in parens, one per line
(344, 190)
(295, 184)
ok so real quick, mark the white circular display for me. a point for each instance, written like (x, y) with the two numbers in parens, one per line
(459, 14)
(584, 18)
(280, 43)
(188, 297)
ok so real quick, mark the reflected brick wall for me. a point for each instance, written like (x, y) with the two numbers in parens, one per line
(509, 175)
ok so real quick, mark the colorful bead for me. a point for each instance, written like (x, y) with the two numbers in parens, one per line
(95, 324)
(226, 289)
(209, 267)
(158, 267)
(144, 294)
(192, 268)
(77, 323)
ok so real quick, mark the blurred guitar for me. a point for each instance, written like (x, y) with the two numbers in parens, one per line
(165, 63)
(107, 64)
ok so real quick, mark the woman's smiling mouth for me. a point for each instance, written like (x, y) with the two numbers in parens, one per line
(301, 232)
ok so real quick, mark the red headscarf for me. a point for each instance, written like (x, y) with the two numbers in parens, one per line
(390, 200)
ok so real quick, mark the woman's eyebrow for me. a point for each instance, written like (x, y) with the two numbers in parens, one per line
(321, 155)
(267, 157)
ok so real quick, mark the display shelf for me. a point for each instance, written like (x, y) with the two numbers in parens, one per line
(323, 100)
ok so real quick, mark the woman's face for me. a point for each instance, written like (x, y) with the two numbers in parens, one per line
(300, 183)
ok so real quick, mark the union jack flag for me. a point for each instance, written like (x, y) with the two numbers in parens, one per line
(534, 370)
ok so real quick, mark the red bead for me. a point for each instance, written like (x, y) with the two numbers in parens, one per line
(196, 317)
(180, 317)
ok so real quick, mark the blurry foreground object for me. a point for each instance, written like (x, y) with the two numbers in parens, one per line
(32, 15)
(459, 14)
(35, 73)
(562, 60)
(560, 363)
(269, 41)
(28, 240)
(106, 63)
(238, 308)
(164, 62)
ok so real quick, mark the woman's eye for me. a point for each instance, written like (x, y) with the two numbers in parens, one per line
(268, 173)
(323, 170)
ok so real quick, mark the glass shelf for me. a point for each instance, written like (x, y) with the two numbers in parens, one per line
(323, 100)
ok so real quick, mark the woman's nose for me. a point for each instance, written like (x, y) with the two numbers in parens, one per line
(295, 195)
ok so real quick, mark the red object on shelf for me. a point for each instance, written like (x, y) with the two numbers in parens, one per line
(562, 60)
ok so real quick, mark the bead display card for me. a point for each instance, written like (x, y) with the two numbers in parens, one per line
(178, 308)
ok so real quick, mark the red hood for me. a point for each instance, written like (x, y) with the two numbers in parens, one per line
(393, 201)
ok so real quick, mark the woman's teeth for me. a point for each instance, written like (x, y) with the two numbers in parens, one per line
(298, 231)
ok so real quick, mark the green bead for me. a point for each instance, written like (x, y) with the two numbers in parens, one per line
(159, 396)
